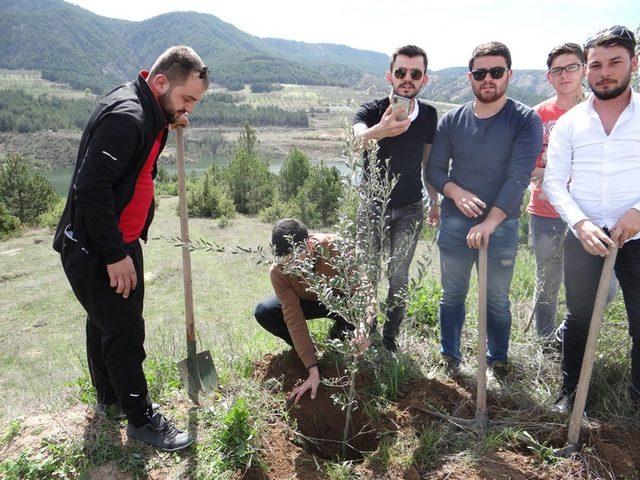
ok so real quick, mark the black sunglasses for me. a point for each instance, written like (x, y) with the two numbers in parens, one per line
(495, 72)
(400, 73)
(616, 31)
(204, 72)
(557, 71)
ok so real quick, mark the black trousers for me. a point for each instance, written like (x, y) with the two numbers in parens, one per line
(582, 274)
(269, 315)
(115, 329)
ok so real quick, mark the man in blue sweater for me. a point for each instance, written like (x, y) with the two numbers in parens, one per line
(492, 143)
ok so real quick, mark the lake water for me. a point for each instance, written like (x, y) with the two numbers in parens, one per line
(60, 177)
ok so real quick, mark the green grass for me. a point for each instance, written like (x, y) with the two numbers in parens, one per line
(31, 82)
(12, 429)
(42, 366)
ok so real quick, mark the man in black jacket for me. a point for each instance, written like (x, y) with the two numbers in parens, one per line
(109, 208)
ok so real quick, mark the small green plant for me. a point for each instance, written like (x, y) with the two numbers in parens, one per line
(162, 377)
(543, 452)
(86, 392)
(230, 446)
(340, 471)
(429, 448)
(51, 460)
(11, 431)
(393, 374)
(424, 303)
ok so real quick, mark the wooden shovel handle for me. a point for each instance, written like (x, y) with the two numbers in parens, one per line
(597, 315)
(481, 394)
(184, 230)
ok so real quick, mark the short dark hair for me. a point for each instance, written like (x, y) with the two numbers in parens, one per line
(409, 51)
(177, 63)
(565, 49)
(616, 36)
(284, 228)
(491, 49)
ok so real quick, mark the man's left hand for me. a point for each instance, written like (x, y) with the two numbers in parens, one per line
(478, 235)
(627, 227)
(311, 383)
(434, 215)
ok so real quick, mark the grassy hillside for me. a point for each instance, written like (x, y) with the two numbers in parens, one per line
(72, 45)
(418, 415)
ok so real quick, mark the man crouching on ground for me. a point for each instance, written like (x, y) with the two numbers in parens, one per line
(285, 313)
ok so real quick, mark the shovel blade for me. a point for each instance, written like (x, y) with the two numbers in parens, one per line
(198, 375)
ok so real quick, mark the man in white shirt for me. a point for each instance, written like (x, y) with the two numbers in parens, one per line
(595, 148)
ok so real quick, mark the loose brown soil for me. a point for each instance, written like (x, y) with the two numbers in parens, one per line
(618, 452)
(321, 421)
(296, 451)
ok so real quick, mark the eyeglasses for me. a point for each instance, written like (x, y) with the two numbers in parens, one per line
(495, 72)
(204, 72)
(400, 73)
(616, 31)
(557, 71)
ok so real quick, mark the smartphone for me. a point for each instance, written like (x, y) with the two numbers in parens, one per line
(399, 102)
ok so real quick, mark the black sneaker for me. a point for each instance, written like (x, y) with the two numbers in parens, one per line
(451, 365)
(390, 344)
(161, 434)
(114, 411)
(500, 369)
(564, 404)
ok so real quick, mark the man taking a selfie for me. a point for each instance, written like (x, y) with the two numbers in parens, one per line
(404, 136)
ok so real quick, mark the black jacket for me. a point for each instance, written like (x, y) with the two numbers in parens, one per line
(114, 147)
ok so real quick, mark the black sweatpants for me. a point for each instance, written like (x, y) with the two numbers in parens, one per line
(115, 329)
(269, 315)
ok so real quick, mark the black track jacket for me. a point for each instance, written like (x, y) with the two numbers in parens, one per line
(114, 147)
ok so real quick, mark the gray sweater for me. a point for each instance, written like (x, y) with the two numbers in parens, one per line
(490, 157)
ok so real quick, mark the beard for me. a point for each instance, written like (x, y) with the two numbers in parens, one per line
(613, 92)
(415, 92)
(164, 100)
(489, 97)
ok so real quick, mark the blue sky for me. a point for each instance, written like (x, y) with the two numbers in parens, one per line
(447, 29)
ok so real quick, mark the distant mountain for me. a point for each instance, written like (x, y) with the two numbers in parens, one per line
(451, 85)
(72, 45)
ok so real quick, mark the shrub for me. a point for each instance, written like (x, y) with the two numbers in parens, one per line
(317, 202)
(206, 198)
(9, 225)
(279, 209)
(51, 217)
(248, 177)
(294, 171)
(24, 191)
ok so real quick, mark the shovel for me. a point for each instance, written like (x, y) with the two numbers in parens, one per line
(197, 371)
(482, 418)
(582, 390)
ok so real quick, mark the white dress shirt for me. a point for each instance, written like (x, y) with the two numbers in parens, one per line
(603, 171)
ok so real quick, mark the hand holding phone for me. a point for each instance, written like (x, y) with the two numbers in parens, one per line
(398, 102)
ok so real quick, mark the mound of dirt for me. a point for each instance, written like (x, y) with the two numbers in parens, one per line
(321, 421)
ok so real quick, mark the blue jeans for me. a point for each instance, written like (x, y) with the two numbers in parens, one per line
(546, 236)
(456, 260)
